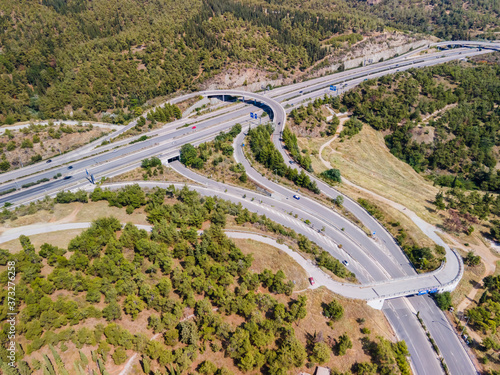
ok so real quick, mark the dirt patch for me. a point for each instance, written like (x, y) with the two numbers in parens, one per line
(267, 256)
(46, 141)
(77, 212)
(140, 174)
(423, 134)
(59, 239)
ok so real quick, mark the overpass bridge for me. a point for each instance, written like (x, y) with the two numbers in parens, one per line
(493, 45)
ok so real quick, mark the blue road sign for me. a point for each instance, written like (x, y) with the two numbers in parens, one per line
(422, 292)
(251, 114)
(374, 233)
(333, 88)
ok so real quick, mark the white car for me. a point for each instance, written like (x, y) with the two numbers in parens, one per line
(345, 263)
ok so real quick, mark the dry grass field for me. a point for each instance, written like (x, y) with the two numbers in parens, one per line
(365, 160)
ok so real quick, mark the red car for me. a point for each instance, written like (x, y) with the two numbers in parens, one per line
(194, 127)
(311, 280)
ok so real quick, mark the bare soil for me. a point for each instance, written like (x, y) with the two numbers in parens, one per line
(140, 174)
(48, 146)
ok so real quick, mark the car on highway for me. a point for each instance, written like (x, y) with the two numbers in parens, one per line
(300, 92)
(345, 263)
(49, 161)
(466, 339)
(291, 161)
(70, 167)
(311, 280)
(194, 127)
(67, 177)
(296, 197)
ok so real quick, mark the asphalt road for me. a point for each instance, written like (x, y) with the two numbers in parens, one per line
(289, 94)
(132, 153)
(407, 327)
(452, 349)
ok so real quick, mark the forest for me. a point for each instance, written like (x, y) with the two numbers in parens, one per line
(111, 273)
(96, 56)
(80, 59)
(447, 19)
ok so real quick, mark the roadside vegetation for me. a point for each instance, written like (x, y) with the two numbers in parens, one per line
(184, 302)
(266, 154)
(215, 159)
(311, 119)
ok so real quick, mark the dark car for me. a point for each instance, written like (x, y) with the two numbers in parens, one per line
(67, 177)
(70, 167)
(49, 161)
(296, 197)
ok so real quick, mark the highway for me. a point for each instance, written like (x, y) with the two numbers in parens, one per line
(379, 264)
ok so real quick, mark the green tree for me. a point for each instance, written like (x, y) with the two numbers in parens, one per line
(119, 356)
(133, 305)
(188, 332)
(443, 300)
(344, 343)
(334, 310)
(471, 259)
(439, 202)
(207, 368)
(112, 311)
(332, 175)
(320, 353)
(188, 154)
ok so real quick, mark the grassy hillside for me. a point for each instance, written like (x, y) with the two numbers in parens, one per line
(443, 121)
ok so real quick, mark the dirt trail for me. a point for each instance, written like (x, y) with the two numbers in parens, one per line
(327, 144)
(71, 218)
(489, 260)
(130, 362)
(436, 113)
(487, 257)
